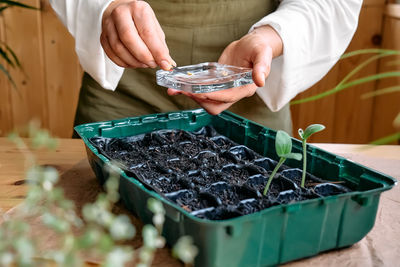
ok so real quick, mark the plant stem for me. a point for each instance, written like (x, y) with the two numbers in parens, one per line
(281, 161)
(303, 176)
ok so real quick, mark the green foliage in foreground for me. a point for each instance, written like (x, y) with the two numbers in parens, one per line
(101, 233)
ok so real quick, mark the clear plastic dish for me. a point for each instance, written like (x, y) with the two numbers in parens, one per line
(204, 77)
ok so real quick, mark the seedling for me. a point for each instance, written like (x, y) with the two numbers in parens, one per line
(283, 148)
(304, 135)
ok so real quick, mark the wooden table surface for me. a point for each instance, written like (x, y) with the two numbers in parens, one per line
(381, 245)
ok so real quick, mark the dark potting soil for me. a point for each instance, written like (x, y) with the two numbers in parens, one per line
(208, 174)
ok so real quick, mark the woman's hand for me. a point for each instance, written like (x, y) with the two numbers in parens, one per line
(132, 37)
(254, 50)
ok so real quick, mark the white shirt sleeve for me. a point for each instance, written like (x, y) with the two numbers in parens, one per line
(83, 20)
(315, 33)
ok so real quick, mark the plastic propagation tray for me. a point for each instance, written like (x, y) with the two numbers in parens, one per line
(272, 236)
(204, 77)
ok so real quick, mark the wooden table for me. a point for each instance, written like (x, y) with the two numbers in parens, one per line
(380, 247)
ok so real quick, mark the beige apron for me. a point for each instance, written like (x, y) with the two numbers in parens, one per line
(196, 31)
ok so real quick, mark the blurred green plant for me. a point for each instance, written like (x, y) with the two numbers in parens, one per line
(101, 233)
(6, 53)
(346, 83)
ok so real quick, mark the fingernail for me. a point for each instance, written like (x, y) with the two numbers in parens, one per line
(165, 65)
(173, 63)
(152, 64)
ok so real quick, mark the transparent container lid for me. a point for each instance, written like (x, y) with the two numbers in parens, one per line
(204, 77)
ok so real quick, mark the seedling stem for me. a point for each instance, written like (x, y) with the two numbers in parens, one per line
(303, 176)
(304, 135)
(281, 161)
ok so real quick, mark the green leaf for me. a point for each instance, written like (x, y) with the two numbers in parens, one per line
(105, 243)
(118, 257)
(7, 74)
(283, 143)
(4, 55)
(3, 8)
(18, 4)
(121, 228)
(370, 51)
(150, 234)
(301, 133)
(185, 250)
(381, 53)
(387, 139)
(155, 206)
(393, 63)
(396, 122)
(55, 223)
(388, 90)
(16, 60)
(312, 129)
(347, 85)
(295, 156)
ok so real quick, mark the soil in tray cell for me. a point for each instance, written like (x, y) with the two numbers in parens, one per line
(208, 174)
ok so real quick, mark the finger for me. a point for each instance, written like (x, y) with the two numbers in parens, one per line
(173, 92)
(149, 30)
(226, 56)
(213, 107)
(261, 65)
(118, 48)
(129, 37)
(231, 95)
(161, 35)
(109, 52)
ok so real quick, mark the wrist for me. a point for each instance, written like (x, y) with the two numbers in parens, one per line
(272, 37)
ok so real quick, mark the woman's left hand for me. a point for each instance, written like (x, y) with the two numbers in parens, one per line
(254, 50)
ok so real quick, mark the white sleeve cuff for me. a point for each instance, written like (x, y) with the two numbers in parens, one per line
(315, 33)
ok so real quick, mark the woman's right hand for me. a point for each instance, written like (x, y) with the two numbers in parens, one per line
(132, 37)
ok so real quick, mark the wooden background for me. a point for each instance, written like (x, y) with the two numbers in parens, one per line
(48, 87)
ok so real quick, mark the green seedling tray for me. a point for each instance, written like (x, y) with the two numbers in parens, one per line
(272, 236)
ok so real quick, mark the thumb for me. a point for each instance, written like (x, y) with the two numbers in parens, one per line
(262, 65)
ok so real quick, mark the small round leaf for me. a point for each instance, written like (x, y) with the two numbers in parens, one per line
(295, 156)
(312, 129)
(301, 133)
(283, 143)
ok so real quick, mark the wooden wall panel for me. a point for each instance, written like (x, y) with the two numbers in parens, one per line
(48, 86)
(63, 74)
(320, 111)
(386, 107)
(352, 114)
(347, 117)
(24, 34)
(6, 121)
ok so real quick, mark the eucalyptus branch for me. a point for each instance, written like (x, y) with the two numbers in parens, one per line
(101, 230)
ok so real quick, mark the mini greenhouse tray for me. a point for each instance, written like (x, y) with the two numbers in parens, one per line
(278, 234)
